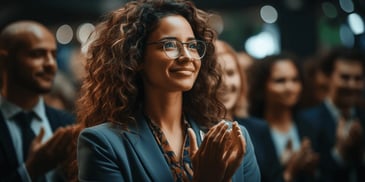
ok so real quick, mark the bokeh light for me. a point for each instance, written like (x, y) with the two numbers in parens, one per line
(64, 34)
(356, 23)
(84, 31)
(269, 14)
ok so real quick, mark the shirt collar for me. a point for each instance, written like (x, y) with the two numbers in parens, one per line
(9, 109)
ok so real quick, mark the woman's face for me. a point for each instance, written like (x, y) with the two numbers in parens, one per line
(283, 86)
(163, 73)
(231, 87)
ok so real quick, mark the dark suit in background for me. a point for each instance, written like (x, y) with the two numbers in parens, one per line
(270, 167)
(8, 160)
(321, 117)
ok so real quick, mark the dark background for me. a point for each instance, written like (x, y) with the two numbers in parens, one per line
(299, 28)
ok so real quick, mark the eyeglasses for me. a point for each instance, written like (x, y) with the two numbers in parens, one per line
(174, 48)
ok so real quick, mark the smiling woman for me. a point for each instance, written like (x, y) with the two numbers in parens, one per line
(159, 72)
(275, 84)
(234, 90)
(149, 70)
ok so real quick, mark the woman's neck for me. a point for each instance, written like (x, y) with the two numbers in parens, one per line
(165, 110)
(280, 118)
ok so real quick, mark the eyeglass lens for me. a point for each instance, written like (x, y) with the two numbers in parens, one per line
(173, 48)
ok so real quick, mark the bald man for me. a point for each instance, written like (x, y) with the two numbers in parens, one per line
(32, 137)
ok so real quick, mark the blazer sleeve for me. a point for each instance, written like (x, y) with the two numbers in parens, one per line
(250, 166)
(96, 157)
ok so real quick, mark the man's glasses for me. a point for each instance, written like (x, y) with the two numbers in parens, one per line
(174, 48)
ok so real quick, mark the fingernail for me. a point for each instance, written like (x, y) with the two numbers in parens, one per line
(229, 124)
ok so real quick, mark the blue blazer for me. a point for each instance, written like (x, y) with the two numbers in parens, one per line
(321, 118)
(8, 160)
(107, 153)
(269, 164)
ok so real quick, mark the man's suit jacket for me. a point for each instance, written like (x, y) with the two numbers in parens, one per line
(320, 117)
(106, 153)
(8, 160)
(270, 166)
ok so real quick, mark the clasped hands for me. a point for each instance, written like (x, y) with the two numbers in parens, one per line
(305, 160)
(220, 154)
(43, 157)
(349, 140)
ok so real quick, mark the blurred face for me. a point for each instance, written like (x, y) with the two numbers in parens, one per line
(34, 65)
(283, 86)
(166, 74)
(346, 83)
(231, 87)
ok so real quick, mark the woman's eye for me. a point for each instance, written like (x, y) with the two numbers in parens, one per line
(193, 45)
(170, 45)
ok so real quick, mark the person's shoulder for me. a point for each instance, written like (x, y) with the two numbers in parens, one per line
(246, 130)
(313, 113)
(101, 133)
(59, 117)
(59, 113)
(252, 122)
(313, 116)
(102, 128)
(101, 139)
(314, 110)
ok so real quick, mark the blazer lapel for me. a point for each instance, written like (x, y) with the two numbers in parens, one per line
(148, 150)
(7, 145)
(52, 119)
(58, 118)
(329, 124)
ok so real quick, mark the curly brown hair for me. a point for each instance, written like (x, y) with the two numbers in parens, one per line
(113, 91)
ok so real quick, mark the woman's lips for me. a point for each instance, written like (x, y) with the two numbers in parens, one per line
(183, 71)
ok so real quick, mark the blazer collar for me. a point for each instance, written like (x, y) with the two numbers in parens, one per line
(7, 143)
(148, 150)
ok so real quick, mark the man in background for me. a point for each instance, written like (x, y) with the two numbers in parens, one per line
(340, 119)
(32, 137)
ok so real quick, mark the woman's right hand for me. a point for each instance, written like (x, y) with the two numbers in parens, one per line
(349, 140)
(305, 160)
(220, 154)
(45, 156)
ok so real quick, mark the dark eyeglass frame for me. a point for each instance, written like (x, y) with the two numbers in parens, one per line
(179, 49)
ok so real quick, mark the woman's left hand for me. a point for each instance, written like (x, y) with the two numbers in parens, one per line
(222, 149)
(235, 151)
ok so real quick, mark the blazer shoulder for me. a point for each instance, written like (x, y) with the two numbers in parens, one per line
(253, 124)
(102, 129)
(314, 111)
(104, 136)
